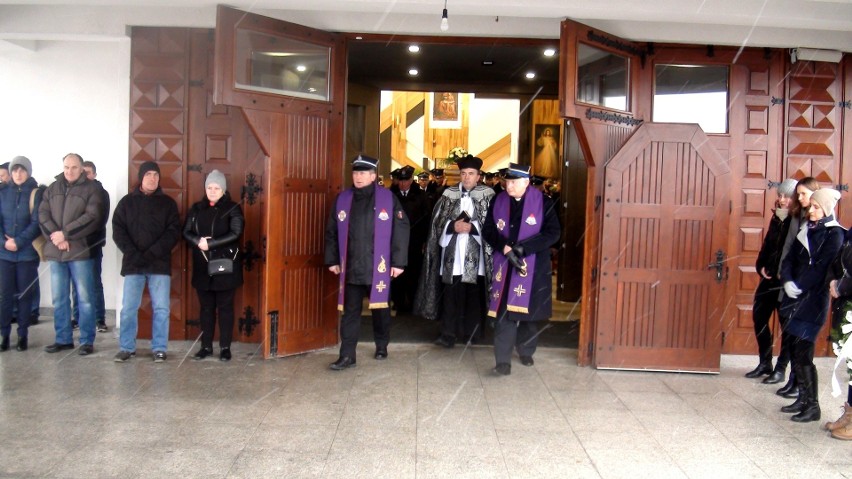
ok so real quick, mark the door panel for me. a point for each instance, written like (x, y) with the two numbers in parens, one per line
(665, 217)
(303, 139)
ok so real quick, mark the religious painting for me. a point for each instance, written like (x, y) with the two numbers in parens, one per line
(546, 151)
(445, 110)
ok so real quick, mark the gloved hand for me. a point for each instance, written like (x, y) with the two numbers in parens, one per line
(517, 262)
(792, 290)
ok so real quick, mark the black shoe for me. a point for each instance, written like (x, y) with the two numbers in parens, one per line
(762, 369)
(445, 341)
(342, 363)
(22, 344)
(808, 389)
(4, 343)
(225, 354)
(160, 357)
(797, 406)
(75, 325)
(56, 347)
(33, 319)
(789, 390)
(502, 369)
(85, 349)
(381, 353)
(102, 327)
(202, 353)
(527, 360)
(774, 378)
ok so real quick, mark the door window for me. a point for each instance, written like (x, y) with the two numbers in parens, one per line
(692, 94)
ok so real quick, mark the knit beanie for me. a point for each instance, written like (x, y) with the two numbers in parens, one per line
(146, 167)
(827, 199)
(218, 178)
(23, 161)
(787, 188)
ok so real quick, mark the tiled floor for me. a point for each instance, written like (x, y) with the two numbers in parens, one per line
(425, 412)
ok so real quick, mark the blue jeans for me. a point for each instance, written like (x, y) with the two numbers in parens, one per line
(159, 287)
(62, 274)
(16, 288)
(98, 299)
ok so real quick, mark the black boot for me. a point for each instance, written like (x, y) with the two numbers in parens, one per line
(762, 369)
(810, 405)
(796, 407)
(4, 343)
(776, 377)
(789, 390)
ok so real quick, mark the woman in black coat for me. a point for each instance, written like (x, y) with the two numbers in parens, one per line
(213, 228)
(805, 304)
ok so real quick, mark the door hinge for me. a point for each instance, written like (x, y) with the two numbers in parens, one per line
(776, 101)
(196, 83)
(594, 274)
(597, 202)
(273, 333)
(590, 348)
(723, 338)
(194, 167)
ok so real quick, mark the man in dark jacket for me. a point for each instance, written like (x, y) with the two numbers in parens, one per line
(416, 206)
(521, 226)
(145, 227)
(96, 242)
(71, 210)
(366, 244)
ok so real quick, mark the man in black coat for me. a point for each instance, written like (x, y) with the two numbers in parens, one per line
(146, 227)
(416, 206)
(366, 245)
(520, 227)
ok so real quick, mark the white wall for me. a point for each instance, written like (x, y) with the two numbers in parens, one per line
(70, 96)
(491, 120)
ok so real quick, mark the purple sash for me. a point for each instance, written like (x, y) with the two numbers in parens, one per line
(382, 231)
(520, 283)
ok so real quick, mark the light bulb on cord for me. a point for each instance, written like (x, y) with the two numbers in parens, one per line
(445, 24)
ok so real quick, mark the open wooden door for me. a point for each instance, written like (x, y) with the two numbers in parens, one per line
(665, 220)
(289, 81)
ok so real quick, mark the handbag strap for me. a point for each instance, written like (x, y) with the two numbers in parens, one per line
(232, 259)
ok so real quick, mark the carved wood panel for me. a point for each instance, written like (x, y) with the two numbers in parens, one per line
(659, 306)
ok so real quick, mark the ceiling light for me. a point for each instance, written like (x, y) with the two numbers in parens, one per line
(530, 75)
(414, 48)
(301, 68)
(413, 72)
(359, 38)
(815, 55)
(445, 23)
(549, 52)
(487, 63)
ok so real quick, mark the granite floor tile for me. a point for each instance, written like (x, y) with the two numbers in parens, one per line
(277, 464)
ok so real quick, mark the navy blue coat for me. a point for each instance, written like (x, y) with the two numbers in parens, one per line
(18, 221)
(808, 269)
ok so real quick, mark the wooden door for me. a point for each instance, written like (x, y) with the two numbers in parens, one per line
(666, 213)
(220, 139)
(302, 138)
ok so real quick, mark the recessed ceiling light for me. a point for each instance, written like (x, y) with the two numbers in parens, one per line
(549, 52)
(301, 68)
(530, 75)
(414, 48)
(359, 38)
(487, 63)
(413, 72)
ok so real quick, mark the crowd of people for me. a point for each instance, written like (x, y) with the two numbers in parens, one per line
(805, 268)
(456, 254)
(65, 223)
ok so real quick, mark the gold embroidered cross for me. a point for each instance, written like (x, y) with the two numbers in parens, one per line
(520, 290)
(381, 286)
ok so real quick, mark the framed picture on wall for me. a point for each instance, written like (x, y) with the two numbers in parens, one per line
(445, 110)
(546, 151)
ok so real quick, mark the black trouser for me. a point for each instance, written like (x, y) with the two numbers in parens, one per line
(802, 352)
(461, 316)
(784, 356)
(765, 303)
(509, 334)
(211, 303)
(404, 286)
(350, 323)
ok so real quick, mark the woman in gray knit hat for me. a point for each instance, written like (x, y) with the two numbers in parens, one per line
(766, 298)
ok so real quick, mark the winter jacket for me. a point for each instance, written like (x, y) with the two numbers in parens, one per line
(541, 303)
(97, 240)
(223, 224)
(76, 209)
(18, 221)
(807, 266)
(773, 245)
(359, 254)
(841, 270)
(146, 228)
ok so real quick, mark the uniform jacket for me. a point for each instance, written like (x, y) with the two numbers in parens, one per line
(541, 303)
(428, 299)
(807, 266)
(359, 265)
(76, 209)
(17, 220)
(224, 223)
(146, 228)
(416, 206)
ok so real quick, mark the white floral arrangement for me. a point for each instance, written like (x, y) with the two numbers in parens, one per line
(456, 154)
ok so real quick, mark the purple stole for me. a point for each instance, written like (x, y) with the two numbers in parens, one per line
(520, 282)
(382, 231)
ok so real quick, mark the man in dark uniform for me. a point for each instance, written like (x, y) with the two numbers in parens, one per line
(520, 227)
(366, 245)
(437, 186)
(500, 181)
(416, 207)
